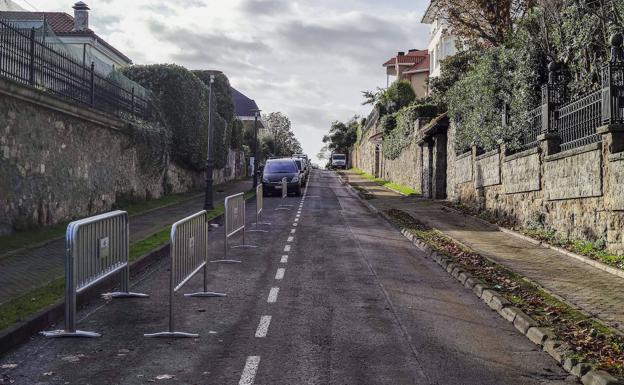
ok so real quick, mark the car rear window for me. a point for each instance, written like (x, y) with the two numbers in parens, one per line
(281, 167)
(338, 157)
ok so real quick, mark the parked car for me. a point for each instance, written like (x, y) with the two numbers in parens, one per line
(275, 170)
(304, 170)
(339, 161)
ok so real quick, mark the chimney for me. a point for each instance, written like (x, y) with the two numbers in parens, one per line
(401, 53)
(81, 17)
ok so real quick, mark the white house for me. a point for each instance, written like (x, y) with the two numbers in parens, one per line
(442, 43)
(73, 34)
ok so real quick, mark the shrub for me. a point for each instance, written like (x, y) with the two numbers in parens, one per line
(400, 93)
(183, 102)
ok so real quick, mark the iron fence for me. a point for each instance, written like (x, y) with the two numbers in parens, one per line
(26, 57)
(528, 138)
(578, 120)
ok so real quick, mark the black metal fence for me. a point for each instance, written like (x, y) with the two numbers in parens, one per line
(30, 60)
(575, 122)
(578, 121)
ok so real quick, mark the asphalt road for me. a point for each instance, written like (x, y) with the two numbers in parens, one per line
(333, 295)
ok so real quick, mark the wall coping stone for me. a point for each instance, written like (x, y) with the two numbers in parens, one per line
(616, 157)
(521, 154)
(574, 151)
(464, 155)
(489, 154)
(41, 98)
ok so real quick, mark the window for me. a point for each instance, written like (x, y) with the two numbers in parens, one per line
(281, 167)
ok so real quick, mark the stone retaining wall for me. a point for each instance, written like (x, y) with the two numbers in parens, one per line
(60, 161)
(578, 193)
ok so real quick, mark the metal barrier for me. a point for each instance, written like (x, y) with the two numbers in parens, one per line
(97, 247)
(282, 206)
(189, 256)
(259, 211)
(234, 223)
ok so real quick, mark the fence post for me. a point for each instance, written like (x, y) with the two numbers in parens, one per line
(92, 85)
(31, 61)
(552, 97)
(612, 97)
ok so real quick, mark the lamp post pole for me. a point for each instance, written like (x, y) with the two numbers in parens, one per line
(209, 157)
(256, 160)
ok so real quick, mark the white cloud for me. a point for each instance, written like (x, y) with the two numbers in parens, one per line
(308, 59)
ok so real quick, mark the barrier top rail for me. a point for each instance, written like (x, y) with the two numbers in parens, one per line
(234, 214)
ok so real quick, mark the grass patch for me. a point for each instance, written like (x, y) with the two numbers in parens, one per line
(388, 184)
(40, 235)
(19, 309)
(589, 340)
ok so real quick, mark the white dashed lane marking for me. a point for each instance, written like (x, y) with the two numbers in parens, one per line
(287, 248)
(284, 259)
(293, 231)
(249, 372)
(273, 295)
(263, 326)
(280, 273)
(290, 239)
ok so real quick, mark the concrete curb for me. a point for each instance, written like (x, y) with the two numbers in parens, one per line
(597, 264)
(52, 314)
(542, 337)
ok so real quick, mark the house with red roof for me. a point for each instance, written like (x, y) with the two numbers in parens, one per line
(73, 34)
(412, 66)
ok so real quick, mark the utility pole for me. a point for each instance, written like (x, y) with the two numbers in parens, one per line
(255, 168)
(209, 158)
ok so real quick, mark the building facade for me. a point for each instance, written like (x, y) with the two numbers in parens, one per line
(442, 43)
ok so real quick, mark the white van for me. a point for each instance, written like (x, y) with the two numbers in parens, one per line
(339, 161)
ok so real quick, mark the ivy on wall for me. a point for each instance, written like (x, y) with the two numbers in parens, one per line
(400, 128)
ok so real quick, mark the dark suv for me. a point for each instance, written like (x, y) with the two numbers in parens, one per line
(275, 170)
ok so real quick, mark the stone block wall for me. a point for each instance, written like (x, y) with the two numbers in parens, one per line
(578, 193)
(405, 169)
(60, 161)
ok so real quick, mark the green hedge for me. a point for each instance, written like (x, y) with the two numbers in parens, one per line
(183, 102)
(182, 99)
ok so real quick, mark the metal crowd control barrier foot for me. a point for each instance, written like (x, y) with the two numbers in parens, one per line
(97, 247)
(259, 211)
(189, 256)
(282, 206)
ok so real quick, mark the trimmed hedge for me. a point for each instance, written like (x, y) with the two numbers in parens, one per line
(182, 99)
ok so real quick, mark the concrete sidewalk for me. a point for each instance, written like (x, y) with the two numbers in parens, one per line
(595, 291)
(29, 269)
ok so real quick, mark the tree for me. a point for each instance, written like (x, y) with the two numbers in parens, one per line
(480, 22)
(282, 140)
(342, 136)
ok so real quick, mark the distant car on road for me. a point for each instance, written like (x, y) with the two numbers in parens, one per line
(339, 161)
(275, 170)
(304, 170)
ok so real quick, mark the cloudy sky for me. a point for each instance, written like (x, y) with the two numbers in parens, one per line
(308, 59)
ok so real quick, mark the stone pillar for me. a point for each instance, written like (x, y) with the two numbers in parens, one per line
(438, 185)
(427, 168)
(550, 143)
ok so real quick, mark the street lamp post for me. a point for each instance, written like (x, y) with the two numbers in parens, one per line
(256, 161)
(209, 157)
